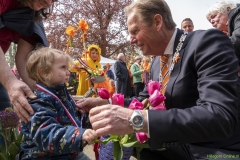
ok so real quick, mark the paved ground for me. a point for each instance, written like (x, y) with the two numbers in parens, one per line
(88, 150)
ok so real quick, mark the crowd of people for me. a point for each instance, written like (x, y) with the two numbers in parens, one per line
(201, 84)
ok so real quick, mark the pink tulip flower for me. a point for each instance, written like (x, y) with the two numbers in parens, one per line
(103, 93)
(135, 105)
(118, 99)
(141, 137)
(152, 86)
(158, 107)
(156, 98)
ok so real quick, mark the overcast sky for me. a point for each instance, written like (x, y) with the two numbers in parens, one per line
(194, 9)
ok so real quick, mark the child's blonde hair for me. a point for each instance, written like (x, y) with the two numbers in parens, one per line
(40, 61)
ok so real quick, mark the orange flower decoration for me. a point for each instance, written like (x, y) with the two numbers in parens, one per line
(176, 59)
(82, 25)
(70, 31)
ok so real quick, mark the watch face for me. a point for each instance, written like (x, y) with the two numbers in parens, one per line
(137, 121)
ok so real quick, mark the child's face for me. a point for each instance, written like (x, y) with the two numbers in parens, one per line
(112, 83)
(94, 54)
(60, 73)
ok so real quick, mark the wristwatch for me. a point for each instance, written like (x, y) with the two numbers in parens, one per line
(137, 121)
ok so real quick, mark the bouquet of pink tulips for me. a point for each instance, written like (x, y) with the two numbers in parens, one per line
(138, 140)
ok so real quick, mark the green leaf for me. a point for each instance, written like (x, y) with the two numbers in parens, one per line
(13, 149)
(117, 151)
(105, 141)
(13, 135)
(18, 143)
(138, 149)
(130, 144)
(3, 157)
(124, 139)
(20, 137)
(3, 144)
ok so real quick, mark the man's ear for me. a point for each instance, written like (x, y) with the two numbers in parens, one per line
(229, 9)
(158, 21)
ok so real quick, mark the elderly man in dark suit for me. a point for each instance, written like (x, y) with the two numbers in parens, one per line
(122, 76)
(201, 96)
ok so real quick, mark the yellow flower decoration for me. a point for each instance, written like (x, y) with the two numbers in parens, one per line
(82, 25)
(71, 31)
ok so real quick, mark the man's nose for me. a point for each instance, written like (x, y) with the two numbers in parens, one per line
(132, 40)
(212, 21)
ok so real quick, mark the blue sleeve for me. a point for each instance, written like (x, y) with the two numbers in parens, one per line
(49, 135)
(110, 74)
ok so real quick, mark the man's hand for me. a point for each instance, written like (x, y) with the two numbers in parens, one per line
(111, 119)
(18, 92)
(87, 104)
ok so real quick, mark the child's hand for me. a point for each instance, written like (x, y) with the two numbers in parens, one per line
(89, 135)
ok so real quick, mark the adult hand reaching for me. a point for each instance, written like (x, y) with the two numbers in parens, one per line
(18, 93)
(87, 104)
(111, 119)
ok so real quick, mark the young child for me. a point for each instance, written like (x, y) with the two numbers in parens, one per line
(54, 131)
(112, 87)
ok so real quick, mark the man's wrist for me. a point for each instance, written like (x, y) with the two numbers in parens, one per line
(102, 101)
(145, 116)
(145, 119)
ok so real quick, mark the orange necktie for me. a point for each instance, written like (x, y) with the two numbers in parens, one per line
(164, 72)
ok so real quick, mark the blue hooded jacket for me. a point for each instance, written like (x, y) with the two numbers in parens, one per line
(51, 134)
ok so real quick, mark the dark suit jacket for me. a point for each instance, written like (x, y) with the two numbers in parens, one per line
(155, 69)
(201, 97)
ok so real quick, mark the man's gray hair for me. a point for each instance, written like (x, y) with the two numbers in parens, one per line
(149, 8)
(221, 7)
(137, 58)
(120, 55)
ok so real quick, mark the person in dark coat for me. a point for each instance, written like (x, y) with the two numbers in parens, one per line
(122, 76)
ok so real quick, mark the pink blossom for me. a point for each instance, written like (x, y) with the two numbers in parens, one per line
(103, 93)
(118, 99)
(156, 98)
(136, 105)
(158, 107)
(92, 79)
(141, 137)
(152, 86)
